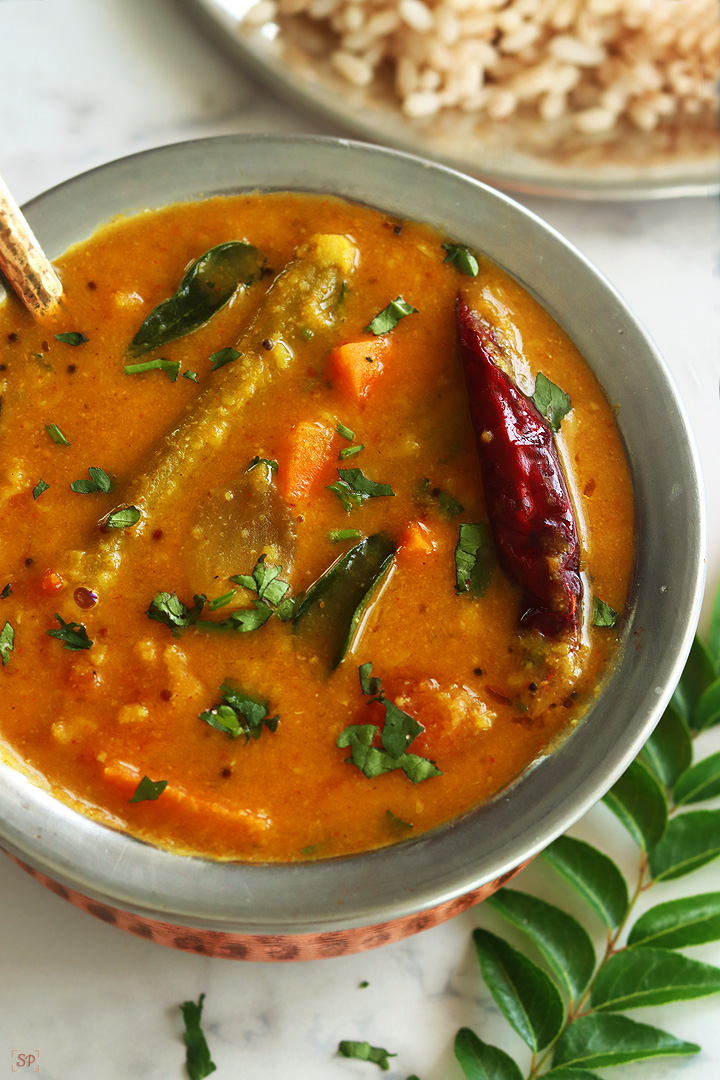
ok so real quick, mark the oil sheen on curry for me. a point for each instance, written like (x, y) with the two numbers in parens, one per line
(315, 530)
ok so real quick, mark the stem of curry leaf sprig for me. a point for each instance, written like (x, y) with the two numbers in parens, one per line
(646, 799)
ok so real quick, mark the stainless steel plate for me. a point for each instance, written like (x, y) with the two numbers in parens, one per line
(518, 155)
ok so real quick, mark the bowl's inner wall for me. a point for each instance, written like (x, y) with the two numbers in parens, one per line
(670, 559)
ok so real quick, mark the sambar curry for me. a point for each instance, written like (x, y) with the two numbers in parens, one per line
(255, 604)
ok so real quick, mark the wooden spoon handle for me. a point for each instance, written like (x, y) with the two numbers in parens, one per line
(22, 260)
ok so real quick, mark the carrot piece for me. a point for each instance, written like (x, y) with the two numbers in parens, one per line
(177, 800)
(354, 366)
(417, 539)
(308, 449)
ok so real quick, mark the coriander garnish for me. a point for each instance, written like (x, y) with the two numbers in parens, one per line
(74, 635)
(399, 731)
(198, 1062)
(56, 435)
(353, 488)
(550, 401)
(462, 258)
(273, 465)
(338, 535)
(7, 591)
(71, 337)
(221, 601)
(474, 559)
(192, 375)
(345, 431)
(603, 614)
(168, 609)
(238, 713)
(389, 317)
(39, 488)
(7, 641)
(170, 367)
(350, 451)
(148, 790)
(99, 481)
(222, 357)
(363, 1051)
(124, 518)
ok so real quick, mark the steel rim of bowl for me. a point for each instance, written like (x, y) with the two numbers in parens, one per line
(487, 842)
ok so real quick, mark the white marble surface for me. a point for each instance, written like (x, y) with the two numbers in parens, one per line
(85, 81)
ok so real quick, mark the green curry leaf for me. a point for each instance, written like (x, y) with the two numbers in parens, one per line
(208, 284)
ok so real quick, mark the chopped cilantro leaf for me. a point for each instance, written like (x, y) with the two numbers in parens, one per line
(192, 375)
(243, 621)
(262, 461)
(462, 258)
(399, 731)
(170, 367)
(198, 1062)
(148, 790)
(221, 601)
(39, 488)
(265, 581)
(72, 337)
(349, 451)
(474, 559)
(426, 494)
(7, 642)
(354, 487)
(168, 609)
(238, 713)
(99, 481)
(73, 634)
(387, 319)
(337, 535)
(286, 608)
(124, 518)
(550, 401)
(56, 435)
(369, 684)
(363, 1051)
(364, 984)
(222, 357)
(603, 614)
(345, 432)
(7, 591)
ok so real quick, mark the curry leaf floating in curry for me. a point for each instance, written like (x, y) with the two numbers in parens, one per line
(148, 790)
(330, 613)
(72, 634)
(550, 401)
(387, 319)
(7, 641)
(238, 713)
(206, 287)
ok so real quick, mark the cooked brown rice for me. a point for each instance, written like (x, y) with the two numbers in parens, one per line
(650, 62)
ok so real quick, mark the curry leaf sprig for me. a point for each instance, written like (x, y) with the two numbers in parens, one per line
(571, 1010)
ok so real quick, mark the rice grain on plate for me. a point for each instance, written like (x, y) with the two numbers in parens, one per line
(649, 62)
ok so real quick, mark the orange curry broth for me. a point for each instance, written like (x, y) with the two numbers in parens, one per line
(90, 724)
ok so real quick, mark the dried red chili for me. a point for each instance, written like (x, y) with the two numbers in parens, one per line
(526, 494)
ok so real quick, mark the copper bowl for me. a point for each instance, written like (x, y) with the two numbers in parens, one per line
(335, 906)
